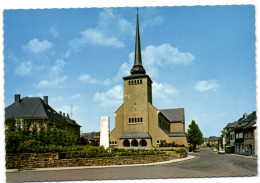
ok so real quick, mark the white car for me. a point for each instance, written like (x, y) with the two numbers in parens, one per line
(221, 152)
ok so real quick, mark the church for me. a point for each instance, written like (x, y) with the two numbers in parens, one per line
(137, 122)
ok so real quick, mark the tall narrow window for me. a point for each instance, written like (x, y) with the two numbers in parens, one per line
(138, 120)
(141, 81)
(129, 120)
(129, 82)
(141, 119)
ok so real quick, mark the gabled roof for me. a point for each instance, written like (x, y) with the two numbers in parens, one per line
(34, 107)
(173, 115)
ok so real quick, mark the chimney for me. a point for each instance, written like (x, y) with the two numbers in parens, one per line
(68, 116)
(64, 115)
(45, 98)
(245, 116)
(17, 98)
(60, 113)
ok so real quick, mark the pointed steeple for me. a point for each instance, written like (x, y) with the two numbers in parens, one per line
(138, 67)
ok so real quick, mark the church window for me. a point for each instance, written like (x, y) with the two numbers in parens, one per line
(129, 82)
(135, 120)
(132, 120)
(138, 120)
(129, 120)
(141, 81)
(134, 81)
(115, 142)
(158, 141)
(141, 119)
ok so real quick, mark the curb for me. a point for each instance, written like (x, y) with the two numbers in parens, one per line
(189, 157)
(243, 156)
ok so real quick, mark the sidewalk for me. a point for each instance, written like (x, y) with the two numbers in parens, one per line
(243, 156)
(189, 157)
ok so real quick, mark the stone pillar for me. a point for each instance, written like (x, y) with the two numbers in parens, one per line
(104, 131)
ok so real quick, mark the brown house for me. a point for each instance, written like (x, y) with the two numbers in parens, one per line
(137, 122)
(35, 111)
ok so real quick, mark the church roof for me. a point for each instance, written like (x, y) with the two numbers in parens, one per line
(173, 115)
(135, 135)
(138, 67)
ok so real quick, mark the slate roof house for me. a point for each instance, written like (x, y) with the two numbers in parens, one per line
(93, 138)
(211, 141)
(240, 137)
(137, 122)
(34, 110)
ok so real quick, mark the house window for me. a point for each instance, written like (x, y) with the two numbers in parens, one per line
(158, 142)
(115, 142)
(129, 120)
(141, 119)
(140, 81)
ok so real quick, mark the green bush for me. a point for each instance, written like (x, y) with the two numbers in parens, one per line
(46, 140)
(182, 150)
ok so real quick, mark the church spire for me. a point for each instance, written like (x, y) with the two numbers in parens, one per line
(138, 67)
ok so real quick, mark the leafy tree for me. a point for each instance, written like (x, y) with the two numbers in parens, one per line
(194, 135)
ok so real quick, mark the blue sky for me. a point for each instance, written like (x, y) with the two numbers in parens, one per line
(201, 58)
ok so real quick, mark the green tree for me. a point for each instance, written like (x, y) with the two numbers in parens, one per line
(194, 135)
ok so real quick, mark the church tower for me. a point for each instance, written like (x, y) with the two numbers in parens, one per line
(137, 92)
(137, 122)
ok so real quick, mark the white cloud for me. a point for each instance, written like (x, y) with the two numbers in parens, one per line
(165, 54)
(75, 96)
(154, 57)
(53, 32)
(158, 20)
(112, 97)
(36, 46)
(24, 68)
(96, 37)
(58, 66)
(57, 82)
(205, 85)
(163, 91)
(86, 78)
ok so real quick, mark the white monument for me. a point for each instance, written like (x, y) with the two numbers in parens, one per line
(104, 131)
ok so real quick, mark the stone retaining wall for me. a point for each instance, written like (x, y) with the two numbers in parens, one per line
(50, 160)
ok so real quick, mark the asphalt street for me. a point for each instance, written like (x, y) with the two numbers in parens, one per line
(207, 164)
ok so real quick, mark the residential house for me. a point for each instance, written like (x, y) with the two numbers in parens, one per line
(36, 111)
(93, 138)
(240, 137)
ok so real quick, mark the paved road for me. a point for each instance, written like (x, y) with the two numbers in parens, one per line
(207, 164)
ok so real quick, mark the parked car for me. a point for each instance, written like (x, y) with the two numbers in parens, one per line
(197, 150)
(221, 152)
